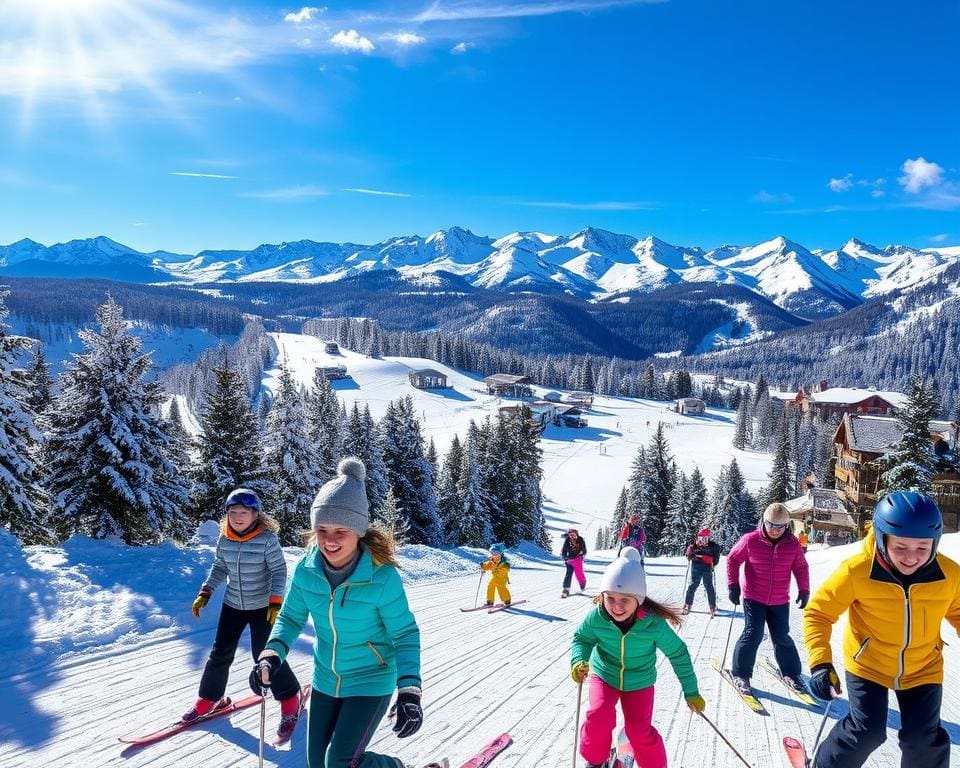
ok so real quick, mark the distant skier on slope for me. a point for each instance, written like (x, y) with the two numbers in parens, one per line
(897, 591)
(499, 568)
(614, 651)
(769, 555)
(703, 555)
(573, 552)
(250, 560)
(367, 640)
(633, 535)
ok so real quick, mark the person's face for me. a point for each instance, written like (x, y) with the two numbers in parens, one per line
(775, 530)
(240, 517)
(620, 605)
(495, 556)
(337, 544)
(572, 534)
(908, 555)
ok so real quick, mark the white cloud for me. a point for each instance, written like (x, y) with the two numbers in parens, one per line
(351, 40)
(919, 174)
(941, 238)
(404, 38)
(470, 9)
(299, 192)
(460, 48)
(380, 192)
(878, 193)
(772, 198)
(304, 14)
(842, 184)
(607, 205)
(201, 175)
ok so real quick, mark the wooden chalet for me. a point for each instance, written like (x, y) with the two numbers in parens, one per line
(822, 509)
(691, 406)
(331, 372)
(826, 401)
(507, 385)
(428, 378)
(331, 348)
(861, 443)
(580, 399)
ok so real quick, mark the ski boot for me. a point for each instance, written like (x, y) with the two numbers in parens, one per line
(489, 603)
(204, 707)
(686, 610)
(797, 684)
(565, 593)
(742, 684)
(713, 611)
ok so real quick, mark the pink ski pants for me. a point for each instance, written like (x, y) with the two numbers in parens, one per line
(596, 734)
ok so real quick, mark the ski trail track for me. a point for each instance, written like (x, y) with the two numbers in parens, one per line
(483, 674)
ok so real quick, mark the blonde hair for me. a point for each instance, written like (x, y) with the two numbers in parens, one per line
(665, 611)
(382, 545)
(263, 520)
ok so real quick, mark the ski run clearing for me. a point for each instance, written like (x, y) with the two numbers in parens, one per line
(99, 642)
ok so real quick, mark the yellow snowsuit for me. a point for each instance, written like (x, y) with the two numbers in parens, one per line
(499, 578)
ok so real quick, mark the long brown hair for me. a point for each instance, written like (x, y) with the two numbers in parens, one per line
(382, 545)
(665, 611)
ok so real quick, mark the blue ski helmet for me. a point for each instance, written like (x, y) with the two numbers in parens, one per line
(244, 497)
(910, 514)
(497, 549)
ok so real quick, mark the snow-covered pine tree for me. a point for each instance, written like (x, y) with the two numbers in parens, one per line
(823, 466)
(763, 419)
(40, 382)
(910, 465)
(182, 444)
(620, 515)
(362, 439)
(647, 386)
(449, 502)
(733, 511)
(324, 426)
(525, 436)
(697, 500)
(229, 449)
(291, 461)
(108, 463)
(659, 487)
(409, 473)
(782, 479)
(393, 520)
(637, 487)
(434, 461)
(22, 503)
(472, 527)
(743, 433)
(588, 382)
(677, 530)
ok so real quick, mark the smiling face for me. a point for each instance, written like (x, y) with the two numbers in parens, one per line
(774, 531)
(620, 605)
(338, 545)
(240, 517)
(908, 555)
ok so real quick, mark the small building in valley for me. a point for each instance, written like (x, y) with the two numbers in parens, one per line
(690, 406)
(508, 385)
(331, 372)
(826, 401)
(428, 378)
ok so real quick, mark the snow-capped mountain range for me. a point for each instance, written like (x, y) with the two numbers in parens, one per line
(590, 264)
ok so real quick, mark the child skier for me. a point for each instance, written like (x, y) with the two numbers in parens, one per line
(703, 555)
(769, 555)
(249, 559)
(897, 591)
(616, 646)
(633, 535)
(367, 641)
(499, 568)
(573, 551)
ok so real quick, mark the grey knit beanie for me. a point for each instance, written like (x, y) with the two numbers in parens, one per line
(626, 575)
(343, 501)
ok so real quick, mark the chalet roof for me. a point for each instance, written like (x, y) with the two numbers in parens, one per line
(506, 378)
(778, 394)
(691, 400)
(877, 434)
(825, 507)
(428, 372)
(852, 395)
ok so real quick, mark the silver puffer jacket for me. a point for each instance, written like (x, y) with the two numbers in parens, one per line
(253, 567)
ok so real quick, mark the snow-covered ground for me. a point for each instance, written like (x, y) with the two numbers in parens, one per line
(584, 469)
(98, 641)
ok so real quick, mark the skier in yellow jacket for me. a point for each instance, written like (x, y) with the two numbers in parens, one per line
(499, 568)
(897, 592)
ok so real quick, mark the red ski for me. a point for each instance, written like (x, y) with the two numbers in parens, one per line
(485, 756)
(504, 606)
(304, 695)
(173, 728)
(483, 607)
(796, 752)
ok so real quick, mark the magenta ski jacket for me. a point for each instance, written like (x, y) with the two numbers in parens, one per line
(767, 566)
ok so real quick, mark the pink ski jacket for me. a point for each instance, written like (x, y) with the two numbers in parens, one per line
(767, 567)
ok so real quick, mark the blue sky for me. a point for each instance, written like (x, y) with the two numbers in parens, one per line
(177, 125)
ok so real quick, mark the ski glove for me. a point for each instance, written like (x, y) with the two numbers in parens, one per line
(268, 662)
(201, 602)
(802, 596)
(696, 703)
(734, 594)
(824, 682)
(409, 712)
(579, 671)
(272, 610)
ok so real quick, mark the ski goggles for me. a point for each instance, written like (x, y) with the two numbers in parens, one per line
(775, 526)
(243, 498)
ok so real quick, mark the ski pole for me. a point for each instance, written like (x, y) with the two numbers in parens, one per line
(576, 722)
(476, 600)
(823, 722)
(263, 721)
(686, 580)
(729, 632)
(686, 738)
(725, 740)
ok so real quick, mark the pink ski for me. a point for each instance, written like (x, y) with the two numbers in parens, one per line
(485, 756)
(178, 726)
(504, 606)
(483, 607)
(796, 752)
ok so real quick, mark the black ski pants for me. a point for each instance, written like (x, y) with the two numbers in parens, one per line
(340, 729)
(696, 576)
(777, 620)
(923, 741)
(229, 629)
